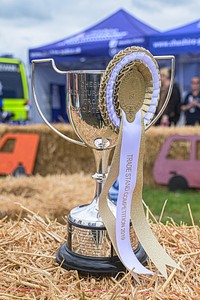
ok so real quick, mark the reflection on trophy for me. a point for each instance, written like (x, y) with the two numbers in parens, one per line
(88, 247)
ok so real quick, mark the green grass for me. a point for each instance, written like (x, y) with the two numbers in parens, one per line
(177, 204)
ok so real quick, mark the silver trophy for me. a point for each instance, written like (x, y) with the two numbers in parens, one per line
(88, 248)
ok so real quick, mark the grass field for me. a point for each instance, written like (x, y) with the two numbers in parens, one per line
(176, 206)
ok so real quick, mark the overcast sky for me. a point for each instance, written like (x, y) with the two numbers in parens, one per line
(26, 24)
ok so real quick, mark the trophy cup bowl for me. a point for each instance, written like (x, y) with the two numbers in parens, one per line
(88, 248)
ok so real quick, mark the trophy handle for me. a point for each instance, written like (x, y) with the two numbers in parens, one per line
(172, 58)
(49, 60)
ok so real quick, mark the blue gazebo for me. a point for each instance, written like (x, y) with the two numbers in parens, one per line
(89, 49)
(99, 43)
(184, 43)
(182, 40)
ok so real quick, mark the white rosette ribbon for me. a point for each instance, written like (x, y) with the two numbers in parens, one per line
(129, 149)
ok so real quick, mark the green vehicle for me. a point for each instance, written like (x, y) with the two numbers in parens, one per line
(14, 89)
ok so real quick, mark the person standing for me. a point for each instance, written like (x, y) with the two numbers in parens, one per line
(191, 105)
(172, 112)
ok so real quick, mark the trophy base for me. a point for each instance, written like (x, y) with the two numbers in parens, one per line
(96, 266)
(88, 248)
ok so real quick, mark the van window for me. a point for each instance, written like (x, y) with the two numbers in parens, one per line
(198, 150)
(8, 146)
(179, 149)
(10, 81)
(14, 89)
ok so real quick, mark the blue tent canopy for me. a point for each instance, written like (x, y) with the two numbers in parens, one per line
(89, 49)
(185, 39)
(101, 41)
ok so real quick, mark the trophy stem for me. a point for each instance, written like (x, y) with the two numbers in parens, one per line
(101, 159)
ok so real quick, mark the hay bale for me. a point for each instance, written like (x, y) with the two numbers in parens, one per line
(29, 271)
(53, 195)
(57, 156)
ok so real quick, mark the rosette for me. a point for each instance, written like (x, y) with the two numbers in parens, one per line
(134, 69)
